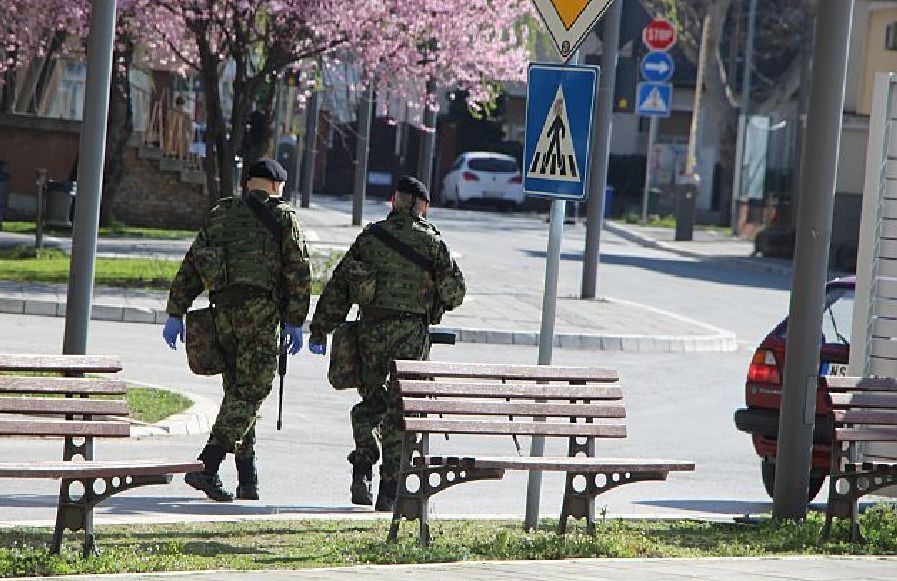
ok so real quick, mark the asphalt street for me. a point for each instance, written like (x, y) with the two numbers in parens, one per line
(680, 406)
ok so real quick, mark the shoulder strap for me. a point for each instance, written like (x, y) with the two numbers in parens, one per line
(264, 216)
(400, 247)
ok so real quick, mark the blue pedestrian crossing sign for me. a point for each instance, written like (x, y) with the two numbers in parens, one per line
(658, 67)
(654, 99)
(560, 101)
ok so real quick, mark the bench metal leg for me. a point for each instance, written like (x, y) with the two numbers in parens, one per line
(75, 511)
(581, 489)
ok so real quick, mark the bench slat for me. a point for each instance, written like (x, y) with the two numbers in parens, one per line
(865, 400)
(60, 363)
(564, 464)
(513, 390)
(866, 435)
(43, 405)
(96, 468)
(878, 418)
(861, 383)
(404, 368)
(61, 385)
(109, 429)
(473, 407)
(496, 427)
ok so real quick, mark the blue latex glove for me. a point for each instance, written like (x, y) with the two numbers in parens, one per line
(293, 336)
(174, 328)
(318, 348)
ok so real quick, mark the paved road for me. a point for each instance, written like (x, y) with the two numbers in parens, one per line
(680, 406)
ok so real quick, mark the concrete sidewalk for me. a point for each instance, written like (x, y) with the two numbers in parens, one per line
(502, 315)
(742, 569)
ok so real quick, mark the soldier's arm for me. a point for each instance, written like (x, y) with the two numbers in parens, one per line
(334, 303)
(187, 284)
(296, 273)
(450, 284)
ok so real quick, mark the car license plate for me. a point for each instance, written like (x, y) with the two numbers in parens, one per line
(833, 369)
(497, 195)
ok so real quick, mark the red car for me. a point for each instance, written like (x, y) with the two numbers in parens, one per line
(763, 388)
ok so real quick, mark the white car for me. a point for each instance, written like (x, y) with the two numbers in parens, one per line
(483, 176)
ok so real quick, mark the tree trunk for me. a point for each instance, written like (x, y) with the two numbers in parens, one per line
(218, 181)
(8, 95)
(120, 126)
(258, 139)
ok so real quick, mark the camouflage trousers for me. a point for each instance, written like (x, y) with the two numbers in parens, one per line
(247, 334)
(378, 415)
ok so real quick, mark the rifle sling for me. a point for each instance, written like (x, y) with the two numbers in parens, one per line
(401, 248)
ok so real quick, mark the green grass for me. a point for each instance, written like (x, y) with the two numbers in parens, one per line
(318, 543)
(51, 265)
(113, 231)
(151, 405)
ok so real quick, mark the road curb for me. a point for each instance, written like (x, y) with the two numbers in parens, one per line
(716, 340)
(648, 242)
(197, 419)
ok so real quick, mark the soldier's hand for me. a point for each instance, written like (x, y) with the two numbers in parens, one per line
(174, 328)
(318, 346)
(293, 335)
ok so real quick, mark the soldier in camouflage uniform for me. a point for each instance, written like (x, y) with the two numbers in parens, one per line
(394, 325)
(251, 257)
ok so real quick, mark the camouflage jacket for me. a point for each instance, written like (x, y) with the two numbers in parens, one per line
(234, 247)
(401, 285)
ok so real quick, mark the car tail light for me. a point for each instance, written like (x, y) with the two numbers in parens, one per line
(469, 176)
(764, 368)
(517, 179)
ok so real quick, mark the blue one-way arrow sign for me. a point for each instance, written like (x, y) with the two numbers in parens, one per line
(658, 67)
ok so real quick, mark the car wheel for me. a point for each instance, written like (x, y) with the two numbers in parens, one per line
(768, 472)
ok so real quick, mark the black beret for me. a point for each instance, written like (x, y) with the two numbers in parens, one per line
(415, 187)
(267, 169)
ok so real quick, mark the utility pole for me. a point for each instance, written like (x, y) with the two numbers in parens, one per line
(428, 143)
(362, 149)
(814, 228)
(603, 124)
(91, 154)
(741, 138)
(311, 146)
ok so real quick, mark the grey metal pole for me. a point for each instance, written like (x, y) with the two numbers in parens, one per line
(91, 153)
(39, 208)
(546, 343)
(311, 145)
(428, 143)
(362, 150)
(601, 133)
(649, 163)
(738, 178)
(814, 228)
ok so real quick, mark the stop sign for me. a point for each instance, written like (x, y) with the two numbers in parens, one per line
(660, 34)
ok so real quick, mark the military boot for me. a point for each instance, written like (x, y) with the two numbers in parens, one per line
(247, 478)
(361, 485)
(386, 496)
(208, 481)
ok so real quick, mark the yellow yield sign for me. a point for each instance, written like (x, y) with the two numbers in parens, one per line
(569, 21)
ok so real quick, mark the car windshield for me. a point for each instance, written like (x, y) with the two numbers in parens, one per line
(493, 164)
(837, 319)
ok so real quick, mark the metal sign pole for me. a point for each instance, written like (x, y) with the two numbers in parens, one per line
(814, 230)
(362, 150)
(649, 163)
(91, 154)
(601, 152)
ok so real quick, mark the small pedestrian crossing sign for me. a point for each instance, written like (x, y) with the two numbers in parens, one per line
(560, 103)
(555, 157)
(655, 99)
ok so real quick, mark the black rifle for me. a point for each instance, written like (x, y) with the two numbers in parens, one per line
(282, 371)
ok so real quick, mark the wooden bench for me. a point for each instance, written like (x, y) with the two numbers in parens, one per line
(85, 481)
(581, 404)
(863, 410)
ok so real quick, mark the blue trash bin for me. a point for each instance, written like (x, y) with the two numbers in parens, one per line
(608, 201)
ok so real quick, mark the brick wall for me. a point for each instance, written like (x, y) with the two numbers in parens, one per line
(28, 143)
(149, 196)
